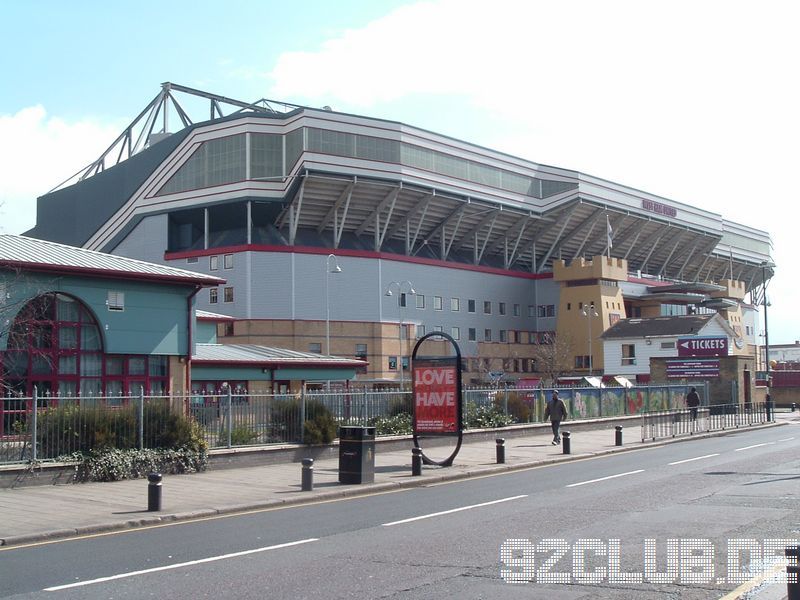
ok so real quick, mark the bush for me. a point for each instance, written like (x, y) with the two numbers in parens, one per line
(517, 407)
(399, 424)
(240, 436)
(485, 417)
(322, 429)
(71, 428)
(402, 405)
(113, 464)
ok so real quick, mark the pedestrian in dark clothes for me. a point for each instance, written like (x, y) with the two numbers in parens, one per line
(557, 411)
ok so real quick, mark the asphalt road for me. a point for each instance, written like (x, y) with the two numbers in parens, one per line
(445, 540)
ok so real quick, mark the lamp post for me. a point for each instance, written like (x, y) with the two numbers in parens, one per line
(328, 270)
(411, 292)
(764, 266)
(589, 312)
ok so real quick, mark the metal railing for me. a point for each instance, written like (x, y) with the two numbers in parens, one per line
(715, 417)
(64, 425)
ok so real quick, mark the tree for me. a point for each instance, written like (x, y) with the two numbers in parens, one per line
(553, 356)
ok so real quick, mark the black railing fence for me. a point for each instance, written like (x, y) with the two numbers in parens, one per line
(63, 425)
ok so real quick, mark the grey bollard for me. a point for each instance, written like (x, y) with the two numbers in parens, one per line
(500, 450)
(792, 572)
(154, 492)
(618, 435)
(794, 406)
(416, 461)
(307, 478)
(565, 443)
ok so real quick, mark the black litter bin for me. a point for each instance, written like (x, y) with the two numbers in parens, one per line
(356, 454)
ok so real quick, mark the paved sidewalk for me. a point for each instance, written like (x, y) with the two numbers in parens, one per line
(38, 513)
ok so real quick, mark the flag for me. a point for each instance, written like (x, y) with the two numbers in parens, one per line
(609, 233)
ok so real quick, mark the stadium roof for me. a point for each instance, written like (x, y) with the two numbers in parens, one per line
(345, 201)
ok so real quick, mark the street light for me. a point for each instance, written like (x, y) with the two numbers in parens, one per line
(328, 270)
(764, 266)
(411, 292)
(589, 312)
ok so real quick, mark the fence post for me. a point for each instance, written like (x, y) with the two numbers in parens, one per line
(505, 400)
(34, 425)
(303, 412)
(228, 402)
(141, 418)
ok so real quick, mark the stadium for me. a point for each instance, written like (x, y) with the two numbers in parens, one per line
(354, 236)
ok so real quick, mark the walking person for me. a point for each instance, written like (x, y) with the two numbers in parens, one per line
(557, 411)
(693, 401)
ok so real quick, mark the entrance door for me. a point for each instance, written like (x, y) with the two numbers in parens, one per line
(747, 392)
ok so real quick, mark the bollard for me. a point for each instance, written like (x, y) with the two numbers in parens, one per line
(307, 475)
(501, 450)
(565, 443)
(154, 492)
(792, 572)
(794, 406)
(618, 435)
(416, 461)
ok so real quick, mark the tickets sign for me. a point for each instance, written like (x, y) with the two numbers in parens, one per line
(435, 396)
(703, 346)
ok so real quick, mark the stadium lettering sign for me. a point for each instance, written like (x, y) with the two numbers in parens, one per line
(659, 209)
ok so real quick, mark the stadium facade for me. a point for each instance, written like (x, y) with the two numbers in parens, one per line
(354, 236)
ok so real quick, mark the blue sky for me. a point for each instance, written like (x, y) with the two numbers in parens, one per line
(694, 101)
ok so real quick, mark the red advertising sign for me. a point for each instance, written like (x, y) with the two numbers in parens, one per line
(703, 346)
(700, 368)
(435, 396)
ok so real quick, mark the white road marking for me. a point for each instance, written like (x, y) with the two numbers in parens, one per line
(604, 478)
(786, 439)
(178, 565)
(454, 510)
(753, 446)
(680, 462)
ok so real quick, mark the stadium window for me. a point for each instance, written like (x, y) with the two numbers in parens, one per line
(420, 330)
(393, 363)
(213, 295)
(227, 261)
(227, 329)
(420, 300)
(531, 310)
(551, 310)
(501, 308)
(487, 335)
(487, 307)
(361, 351)
(454, 304)
(402, 299)
(471, 306)
(517, 310)
(503, 335)
(213, 263)
(437, 303)
(315, 347)
(455, 333)
(471, 334)
(438, 328)
(228, 294)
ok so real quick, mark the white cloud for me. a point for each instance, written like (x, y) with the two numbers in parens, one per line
(37, 153)
(695, 101)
